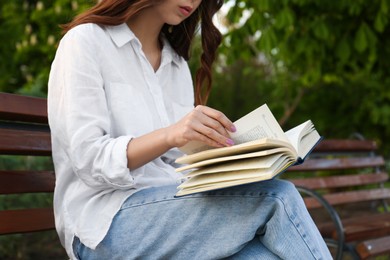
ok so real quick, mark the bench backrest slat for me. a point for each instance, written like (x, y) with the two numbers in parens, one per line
(346, 145)
(22, 108)
(26, 220)
(339, 163)
(23, 142)
(26, 181)
(350, 197)
(342, 181)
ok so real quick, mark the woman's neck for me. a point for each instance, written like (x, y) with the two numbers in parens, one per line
(147, 29)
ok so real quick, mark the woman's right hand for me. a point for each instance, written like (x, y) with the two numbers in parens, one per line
(202, 124)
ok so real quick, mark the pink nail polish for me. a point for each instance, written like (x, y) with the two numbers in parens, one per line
(233, 128)
(229, 142)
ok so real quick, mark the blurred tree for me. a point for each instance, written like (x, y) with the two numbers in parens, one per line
(32, 32)
(327, 60)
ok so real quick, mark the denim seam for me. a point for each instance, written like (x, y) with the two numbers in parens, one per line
(296, 225)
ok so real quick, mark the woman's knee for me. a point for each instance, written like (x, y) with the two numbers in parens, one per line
(284, 185)
(275, 187)
(278, 186)
(281, 190)
(286, 189)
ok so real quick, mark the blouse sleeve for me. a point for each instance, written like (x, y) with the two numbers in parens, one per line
(79, 117)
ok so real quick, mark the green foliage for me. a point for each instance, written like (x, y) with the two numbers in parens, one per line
(32, 32)
(25, 163)
(325, 60)
(33, 246)
(292, 54)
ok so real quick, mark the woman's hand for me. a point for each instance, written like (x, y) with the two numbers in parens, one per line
(202, 124)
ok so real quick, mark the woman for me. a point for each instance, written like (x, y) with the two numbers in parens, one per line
(120, 103)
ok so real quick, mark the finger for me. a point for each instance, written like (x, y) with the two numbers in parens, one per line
(206, 140)
(218, 116)
(210, 133)
(202, 118)
(214, 124)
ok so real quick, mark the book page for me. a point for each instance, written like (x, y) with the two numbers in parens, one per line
(233, 158)
(258, 124)
(294, 134)
(240, 149)
(263, 162)
(223, 177)
(228, 179)
(308, 142)
(303, 137)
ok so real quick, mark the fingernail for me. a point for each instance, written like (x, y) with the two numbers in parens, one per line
(229, 142)
(233, 128)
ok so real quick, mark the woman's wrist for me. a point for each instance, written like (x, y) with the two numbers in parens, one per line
(143, 149)
(167, 138)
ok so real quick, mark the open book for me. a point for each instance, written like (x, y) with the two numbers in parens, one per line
(262, 150)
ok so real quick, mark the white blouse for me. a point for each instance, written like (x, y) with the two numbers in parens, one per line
(103, 92)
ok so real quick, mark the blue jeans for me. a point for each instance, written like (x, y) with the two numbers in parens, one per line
(266, 220)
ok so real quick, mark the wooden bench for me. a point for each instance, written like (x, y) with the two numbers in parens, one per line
(24, 131)
(343, 172)
(350, 177)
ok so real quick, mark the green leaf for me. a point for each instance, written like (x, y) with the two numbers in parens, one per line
(384, 6)
(381, 20)
(331, 78)
(355, 8)
(343, 51)
(284, 18)
(360, 42)
(321, 30)
(267, 40)
(301, 45)
(264, 5)
(370, 35)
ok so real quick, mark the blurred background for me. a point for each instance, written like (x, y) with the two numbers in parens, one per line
(327, 61)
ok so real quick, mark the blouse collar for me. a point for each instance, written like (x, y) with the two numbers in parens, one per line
(122, 34)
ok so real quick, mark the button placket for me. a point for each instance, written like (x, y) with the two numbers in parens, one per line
(154, 87)
(159, 100)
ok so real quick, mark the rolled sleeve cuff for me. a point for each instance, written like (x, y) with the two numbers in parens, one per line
(110, 168)
(117, 174)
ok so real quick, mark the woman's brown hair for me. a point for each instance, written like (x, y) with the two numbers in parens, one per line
(115, 12)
